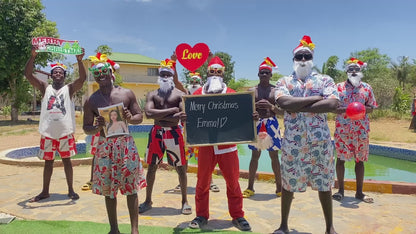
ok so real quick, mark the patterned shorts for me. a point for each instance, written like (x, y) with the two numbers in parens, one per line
(311, 164)
(352, 146)
(65, 146)
(273, 134)
(169, 139)
(117, 166)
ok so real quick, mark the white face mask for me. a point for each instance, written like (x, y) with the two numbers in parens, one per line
(302, 68)
(214, 84)
(355, 80)
(166, 84)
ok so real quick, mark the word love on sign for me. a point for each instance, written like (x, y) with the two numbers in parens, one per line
(218, 119)
(192, 57)
(55, 45)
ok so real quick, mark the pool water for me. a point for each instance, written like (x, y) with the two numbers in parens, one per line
(377, 168)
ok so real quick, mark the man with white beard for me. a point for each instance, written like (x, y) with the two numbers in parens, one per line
(307, 152)
(225, 155)
(351, 136)
(164, 105)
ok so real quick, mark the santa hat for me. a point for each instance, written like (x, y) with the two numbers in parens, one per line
(268, 64)
(193, 76)
(354, 61)
(167, 65)
(305, 44)
(216, 63)
(100, 60)
(56, 65)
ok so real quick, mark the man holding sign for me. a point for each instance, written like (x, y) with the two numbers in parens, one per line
(225, 155)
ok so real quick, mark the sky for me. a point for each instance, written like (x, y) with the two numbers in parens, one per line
(248, 30)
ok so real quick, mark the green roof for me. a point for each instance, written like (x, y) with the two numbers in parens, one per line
(133, 58)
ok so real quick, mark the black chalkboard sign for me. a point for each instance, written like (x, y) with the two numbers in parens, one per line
(218, 119)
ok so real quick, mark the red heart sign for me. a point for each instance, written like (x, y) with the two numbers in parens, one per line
(192, 57)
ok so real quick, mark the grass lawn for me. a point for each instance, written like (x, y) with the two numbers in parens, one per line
(69, 227)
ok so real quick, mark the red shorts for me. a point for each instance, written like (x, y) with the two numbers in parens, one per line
(169, 139)
(65, 146)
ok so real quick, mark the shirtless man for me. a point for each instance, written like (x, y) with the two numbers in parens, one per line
(109, 175)
(267, 128)
(164, 105)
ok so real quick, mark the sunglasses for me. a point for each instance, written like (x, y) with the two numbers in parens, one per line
(306, 56)
(264, 73)
(98, 73)
(214, 71)
(353, 69)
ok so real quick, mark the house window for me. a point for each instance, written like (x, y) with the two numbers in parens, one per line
(152, 72)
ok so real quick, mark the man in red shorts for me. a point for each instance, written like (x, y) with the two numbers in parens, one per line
(164, 105)
(57, 120)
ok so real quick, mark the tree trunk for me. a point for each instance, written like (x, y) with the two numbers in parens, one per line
(14, 112)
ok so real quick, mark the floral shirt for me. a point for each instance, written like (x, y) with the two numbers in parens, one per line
(348, 94)
(304, 126)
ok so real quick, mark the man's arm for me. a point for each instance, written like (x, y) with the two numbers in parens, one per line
(89, 127)
(296, 104)
(133, 113)
(176, 81)
(78, 83)
(37, 83)
(323, 106)
(157, 114)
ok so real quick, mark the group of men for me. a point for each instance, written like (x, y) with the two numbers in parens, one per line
(307, 149)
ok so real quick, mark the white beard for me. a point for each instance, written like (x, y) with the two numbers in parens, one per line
(193, 88)
(355, 80)
(166, 84)
(214, 84)
(264, 141)
(302, 69)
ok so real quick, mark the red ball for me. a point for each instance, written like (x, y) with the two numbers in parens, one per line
(355, 111)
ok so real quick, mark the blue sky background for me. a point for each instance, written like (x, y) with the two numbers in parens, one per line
(248, 30)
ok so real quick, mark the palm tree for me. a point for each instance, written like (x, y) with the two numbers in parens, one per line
(401, 69)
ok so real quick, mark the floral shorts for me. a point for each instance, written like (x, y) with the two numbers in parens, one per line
(117, 166)
(352, 146)
(310, 164)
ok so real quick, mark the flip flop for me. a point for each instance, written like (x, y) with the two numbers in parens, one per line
(337, 196)
(87, 186)
(279, 194)
(38, 198)
(177, 188)
(214, 188)
(198, 222)
(241, 224)
(248, 193)
(145, 206)
(73, 196)
(365, 198)
(186, 209)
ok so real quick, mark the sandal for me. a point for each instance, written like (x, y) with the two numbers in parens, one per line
(198, 222)
(87, 186)
(214, 188)
(337, 196)
(279, 194)
(177, 188)
(365, 198)
(145, 206)
(241, 224)
(73, 196)
(248, 193)
(186, 209)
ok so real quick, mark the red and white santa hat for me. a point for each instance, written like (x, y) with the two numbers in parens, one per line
(168, 65)
(56, 65)
(268, 64)
(100, 60)
(216, 63)
(305, 44)
(354, 61)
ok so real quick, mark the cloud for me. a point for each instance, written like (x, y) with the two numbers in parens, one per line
(124, 42)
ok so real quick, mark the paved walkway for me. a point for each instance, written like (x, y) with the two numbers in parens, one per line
(391, 213)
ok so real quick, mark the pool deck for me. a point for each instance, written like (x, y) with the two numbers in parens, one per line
(391, 213)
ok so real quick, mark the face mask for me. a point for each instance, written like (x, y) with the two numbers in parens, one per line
(214, 84)
(355, 78)
(302, 68)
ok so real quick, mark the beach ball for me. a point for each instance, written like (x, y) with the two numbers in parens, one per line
(355, 111)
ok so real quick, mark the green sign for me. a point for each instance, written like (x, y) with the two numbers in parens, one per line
(218, 119)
